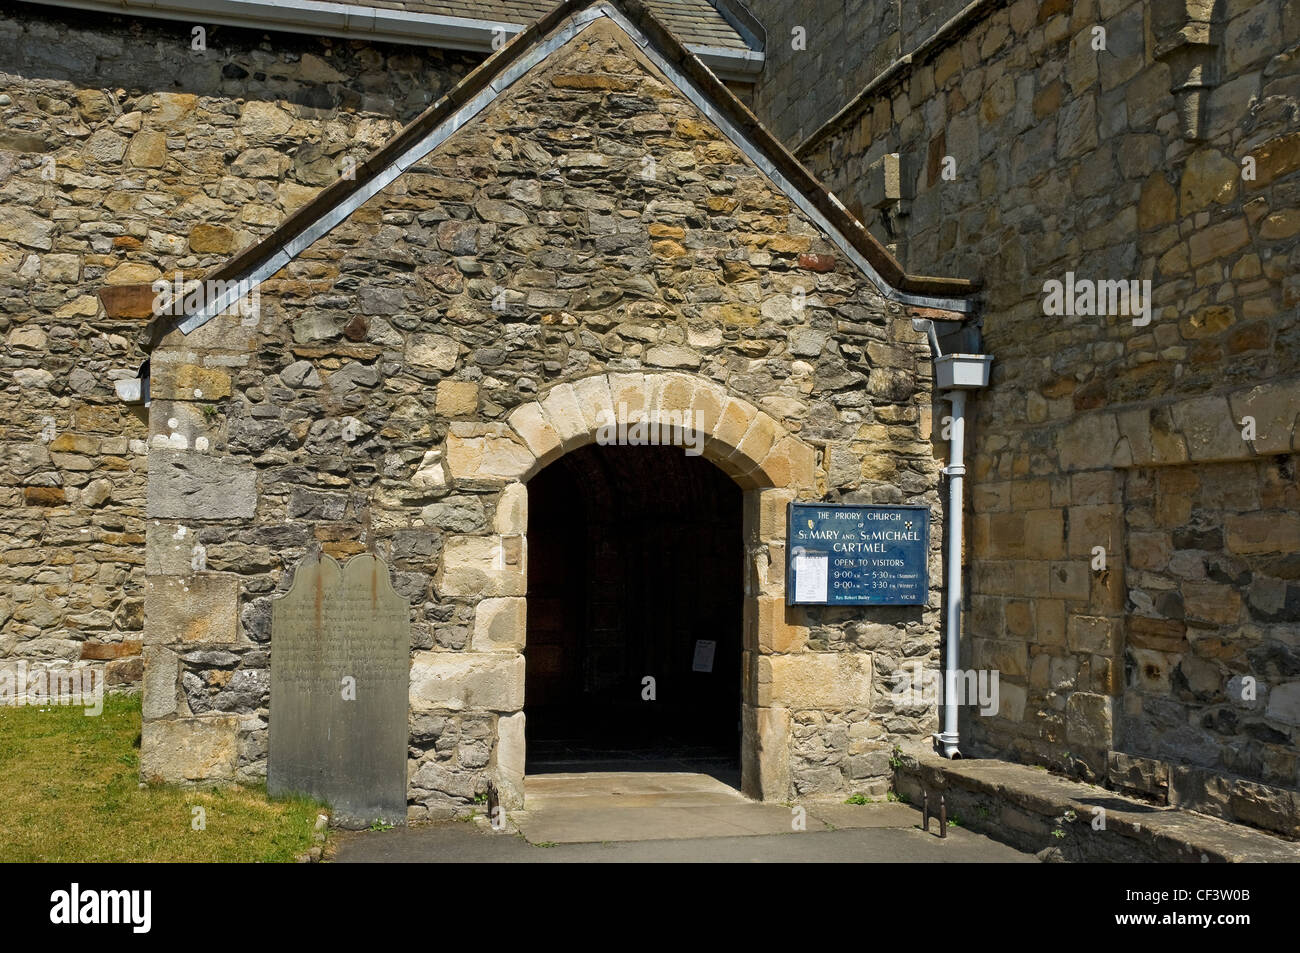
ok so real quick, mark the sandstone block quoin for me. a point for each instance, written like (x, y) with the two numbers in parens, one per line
(196, 486)
(457, 681)
(190, 749)
(198, 610)
(835, 680)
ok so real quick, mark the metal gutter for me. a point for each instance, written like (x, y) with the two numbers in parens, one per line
(372, 23)
(743, 22)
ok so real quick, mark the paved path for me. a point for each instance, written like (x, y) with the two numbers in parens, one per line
(656, 816)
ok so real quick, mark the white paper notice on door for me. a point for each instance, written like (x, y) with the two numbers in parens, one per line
(704, 652)
(810, 571)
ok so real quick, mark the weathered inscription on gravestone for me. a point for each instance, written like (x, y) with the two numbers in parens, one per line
(340, 671)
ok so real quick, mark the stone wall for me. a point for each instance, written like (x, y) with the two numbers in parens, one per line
(462, 329)
(807, 77)
(126, 155)
(845, 44)
(1171, 155)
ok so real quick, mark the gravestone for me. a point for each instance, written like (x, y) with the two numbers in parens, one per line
(340, 675)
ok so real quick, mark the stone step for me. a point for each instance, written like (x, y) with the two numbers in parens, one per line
(1065, 820)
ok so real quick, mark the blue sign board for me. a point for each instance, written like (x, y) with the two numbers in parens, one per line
(838, 555)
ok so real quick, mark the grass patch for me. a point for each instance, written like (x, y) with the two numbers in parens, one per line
(69, 792)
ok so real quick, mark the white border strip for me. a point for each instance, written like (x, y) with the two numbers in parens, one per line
(453, 123)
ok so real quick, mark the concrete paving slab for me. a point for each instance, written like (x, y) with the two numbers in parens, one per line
(454, 842)
(617, 806)
(858, 816)
(622, 783)
(590, 824)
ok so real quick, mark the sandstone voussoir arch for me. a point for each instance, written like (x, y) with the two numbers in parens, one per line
(753, 448)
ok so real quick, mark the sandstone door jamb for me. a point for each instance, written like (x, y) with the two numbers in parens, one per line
(771, 465)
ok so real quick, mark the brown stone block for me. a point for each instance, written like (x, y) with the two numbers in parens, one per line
(1263, 533)
(125, 671)
(791, 463)
(1217, 241)
(188, 382)
(1274, 159)
(1019, 617)
(103, 651)
(1044, 534)
(564, 413)
(481, 566)
(758, 441)
(1149, 550)
(765, 754)
(765, 514)
(127, 301)
(212, 239)
(1175, 491)
(1031, 494)
(1092, 526)
(733, 423)
(74, 443)
(1161, 635)
(599, 81)
(493, 456)
(1070, 580)
(499, 624)
(1006, 656)
(342, 549)
(44, 496)
(1211, 602)
(1005, 534)
(457, 398)
(1088, 721)
(492, 681)
(1049, 621)
(1157, 204)
(817, 262)
(1106, 675)
(1108, 595)
(1032, 579)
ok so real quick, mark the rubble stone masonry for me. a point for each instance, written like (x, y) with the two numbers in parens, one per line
(126, 155)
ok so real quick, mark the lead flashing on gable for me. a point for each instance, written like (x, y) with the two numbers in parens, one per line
(518, 63)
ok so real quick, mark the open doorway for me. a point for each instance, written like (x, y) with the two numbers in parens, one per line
(635, 565)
